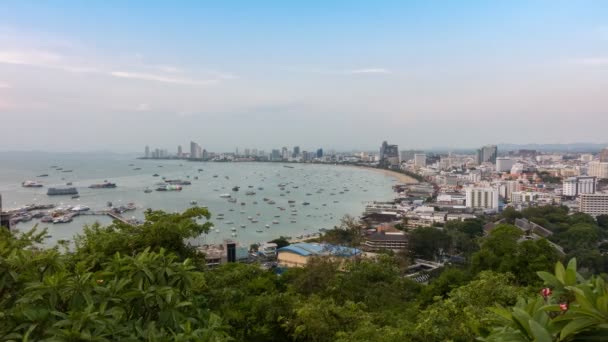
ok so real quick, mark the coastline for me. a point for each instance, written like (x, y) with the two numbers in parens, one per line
(400, 177)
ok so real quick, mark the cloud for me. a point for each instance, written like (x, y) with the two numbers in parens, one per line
(159, 78)
(5, 85)
(369, 71)
(592, 61)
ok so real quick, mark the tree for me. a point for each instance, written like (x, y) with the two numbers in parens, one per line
(347, 233)
(281, 242)
(428, 243)
(510, 214)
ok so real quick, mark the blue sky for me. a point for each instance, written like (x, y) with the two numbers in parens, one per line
(117, 75)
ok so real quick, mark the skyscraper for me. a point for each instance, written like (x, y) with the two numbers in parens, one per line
(488, 154)
(296, 151)
(320, 153)
(195, 150)
(179, 151)
(389, 155)
(147, 151)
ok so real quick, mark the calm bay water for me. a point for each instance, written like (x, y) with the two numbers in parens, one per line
(332, 191)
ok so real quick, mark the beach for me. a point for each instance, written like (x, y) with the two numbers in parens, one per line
(400, 177)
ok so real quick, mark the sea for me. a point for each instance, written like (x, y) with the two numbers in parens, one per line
(332, 192)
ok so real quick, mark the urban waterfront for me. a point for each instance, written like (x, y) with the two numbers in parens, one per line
(332, 191)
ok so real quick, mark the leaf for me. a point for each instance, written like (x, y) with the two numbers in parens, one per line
(549, 279)
(539, 332)
(560, 272)
(576, 326)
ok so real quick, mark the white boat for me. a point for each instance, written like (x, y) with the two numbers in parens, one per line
(275, 222)
(232, 200)
(225, 196)
(80, 208)
(267, 226)
(233, 229)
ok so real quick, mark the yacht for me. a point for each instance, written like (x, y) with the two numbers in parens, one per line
(275, 222)
(31, 184)
(267, 226)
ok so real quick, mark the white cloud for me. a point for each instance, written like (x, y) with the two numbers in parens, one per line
(159, 78)
(5, 85)
(369, 71)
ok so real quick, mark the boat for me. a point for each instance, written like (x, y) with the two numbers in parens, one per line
(225, 196)
(195, 177)
(31, 184)
(250, 193)
(288, 167)
(137, 168)
(259, 231)
(65, 171)
(293, 221)
(291, 201)
(148, 190)
(68, 183)
(232, 200)
(155, 175)
(109, 204)
(214, 176)
(43, 175)
(193, 202)
(75, 196)
(254, 221)
(62, 219)
(200, 170)
(177, 182)
(104, 185)
(243, 226)
(260, 188)
(61, 191)
(233, 228)
(267, 226)
(233, 234)
(169, 187)
(80, 207)
(271, 202)
(229, 222)
(305, 203)
(275, 222)
(236, 188)
(46, 219)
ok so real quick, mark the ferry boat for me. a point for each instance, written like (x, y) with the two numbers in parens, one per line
(61, 191)
(31, 184)
(104, 185)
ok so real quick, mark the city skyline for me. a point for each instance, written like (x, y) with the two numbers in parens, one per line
(419, 74)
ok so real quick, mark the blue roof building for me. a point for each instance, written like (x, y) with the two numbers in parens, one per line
(298, 254)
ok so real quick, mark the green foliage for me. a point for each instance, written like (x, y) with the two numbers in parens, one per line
(151, 295)
(160, 230)
(348, 233)
(428, 243)
(503, 251)
(577, 310)
(281, 242)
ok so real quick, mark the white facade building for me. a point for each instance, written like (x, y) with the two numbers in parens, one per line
(504, 164)
(420, 159)
(598, 169)
(594, 204)
(482, 198)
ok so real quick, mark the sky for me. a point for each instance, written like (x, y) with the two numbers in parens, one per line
(119, 75)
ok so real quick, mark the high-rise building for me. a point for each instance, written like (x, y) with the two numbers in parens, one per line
(179, 151)
(320, 153)
(147, 151)
(594, 204)
(575, 186)
(205, 154)
(598, 169)
(587, 157)
(195, 150)
(504, 164)
(604, 155)
(482, 198)
(389, 155)
(246, 151)
(487, 154)
(276, 155)
(284, 153)
(420, 159)
(296, 151)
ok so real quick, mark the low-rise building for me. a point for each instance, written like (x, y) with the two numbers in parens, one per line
(386, 240)
(298, 254)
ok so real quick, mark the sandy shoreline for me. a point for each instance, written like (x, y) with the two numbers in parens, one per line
(400, 177)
